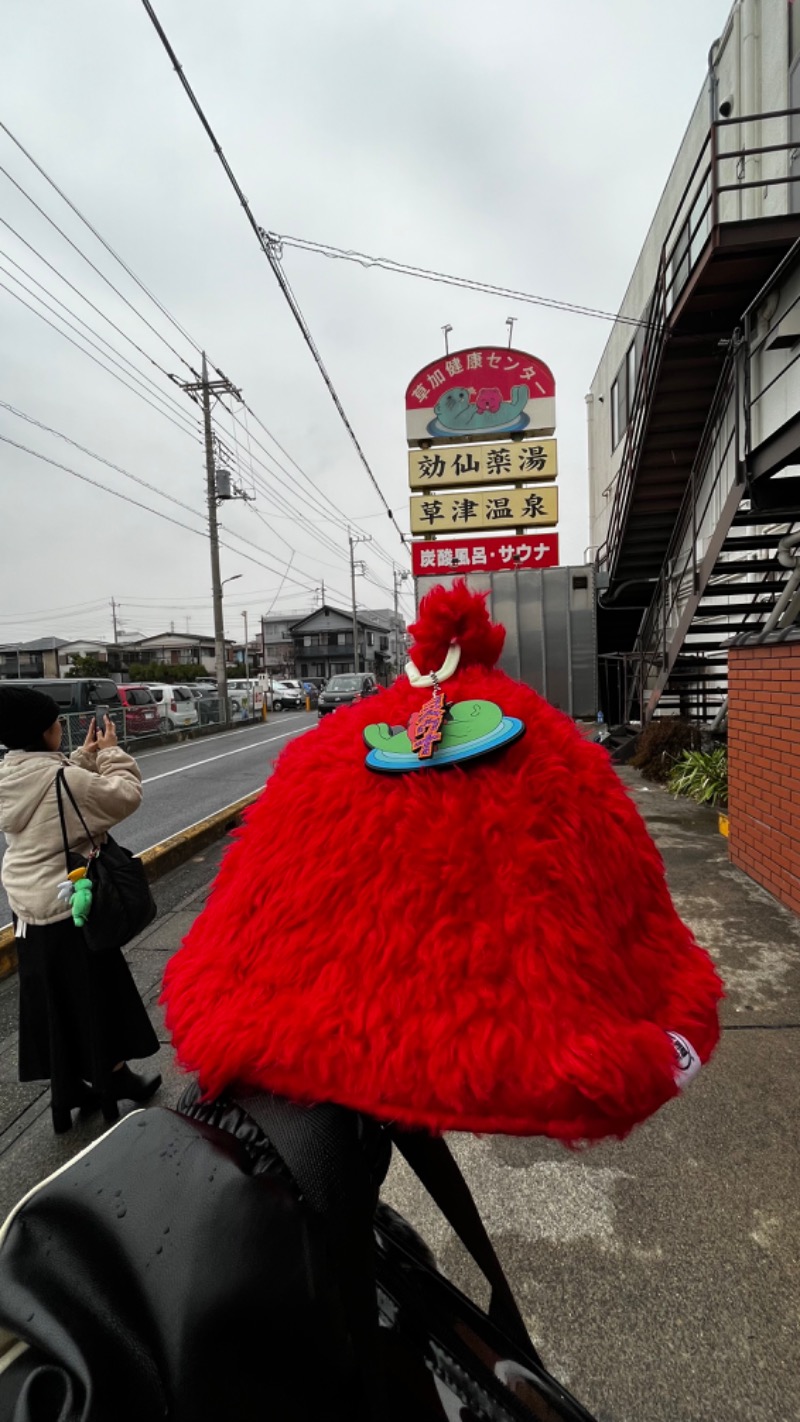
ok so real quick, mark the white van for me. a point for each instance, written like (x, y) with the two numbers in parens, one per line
(177, 707)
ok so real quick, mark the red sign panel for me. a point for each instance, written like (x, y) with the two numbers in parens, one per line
(480, 393)
(484, 555)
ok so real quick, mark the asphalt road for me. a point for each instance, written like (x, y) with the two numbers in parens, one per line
(186, 782)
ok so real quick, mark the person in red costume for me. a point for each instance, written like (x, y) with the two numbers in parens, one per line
(500, 950)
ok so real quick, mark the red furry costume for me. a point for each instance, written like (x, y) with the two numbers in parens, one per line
(489, 947)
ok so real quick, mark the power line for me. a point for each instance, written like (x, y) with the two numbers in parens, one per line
(389, 264)
(94, 268)
(78, 292)
(99, 457)
(83, 351)
(336, 515)
(148, 509)
(134, 373)
(319, 494)
(102, 241)
(274, 261)
(144, 483)
(188, 429)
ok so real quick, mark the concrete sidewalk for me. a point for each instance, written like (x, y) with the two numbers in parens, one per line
(28, 1148)
(660, 1276)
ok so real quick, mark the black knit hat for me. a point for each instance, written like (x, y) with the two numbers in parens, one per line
(25, 715)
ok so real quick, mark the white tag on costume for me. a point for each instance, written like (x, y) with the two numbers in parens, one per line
(687, 1061)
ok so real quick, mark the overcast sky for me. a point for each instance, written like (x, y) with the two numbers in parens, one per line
(520, 142)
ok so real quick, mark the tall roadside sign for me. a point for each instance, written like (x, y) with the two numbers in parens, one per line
(483, 475)
(482, 461)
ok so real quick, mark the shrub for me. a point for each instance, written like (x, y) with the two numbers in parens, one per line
(154, 671)
(661, 746)
(702, 775)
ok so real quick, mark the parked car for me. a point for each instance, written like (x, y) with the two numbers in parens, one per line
(176, 705)
(142, 713)
(81, 698)
(287, 695)
(78, 693)
(345, 689)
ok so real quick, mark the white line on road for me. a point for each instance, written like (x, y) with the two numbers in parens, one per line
(254, 745)
(218, 736)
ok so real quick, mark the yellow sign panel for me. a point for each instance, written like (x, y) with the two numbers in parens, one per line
(457, 512)
(505, 463)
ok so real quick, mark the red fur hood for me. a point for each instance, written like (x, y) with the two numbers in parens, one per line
(486, 947)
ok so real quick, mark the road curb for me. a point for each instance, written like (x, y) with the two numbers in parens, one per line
(159, 859)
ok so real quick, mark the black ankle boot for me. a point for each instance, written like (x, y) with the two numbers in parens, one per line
(80, 1096)
(86, 1098)
(62, 1118)
(127, 1085)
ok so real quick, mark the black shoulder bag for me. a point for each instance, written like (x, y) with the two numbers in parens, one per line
(194, 1271)
(122, 904)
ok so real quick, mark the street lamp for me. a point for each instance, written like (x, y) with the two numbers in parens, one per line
(222, 686)
(246, 653)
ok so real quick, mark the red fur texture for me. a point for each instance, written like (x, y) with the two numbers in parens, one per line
(486, 948)
(457, 615)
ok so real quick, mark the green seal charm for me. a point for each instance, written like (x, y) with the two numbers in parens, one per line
(469, 729)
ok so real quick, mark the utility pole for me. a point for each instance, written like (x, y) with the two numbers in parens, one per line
(206, 388)
(114, 620)
(399, 576)
(353, 539)
(246, 653)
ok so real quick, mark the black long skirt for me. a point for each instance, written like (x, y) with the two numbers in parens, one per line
(79, 1012)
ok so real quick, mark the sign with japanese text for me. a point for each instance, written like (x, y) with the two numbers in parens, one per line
(508, 463)
(459, 512)
(479, 394)
(487, 555)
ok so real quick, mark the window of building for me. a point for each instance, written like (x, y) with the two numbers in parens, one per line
(616, 430)
(794, 32)
(630, 376)
(370, 639)
(384, 644)
(341, 639)
(304, 668)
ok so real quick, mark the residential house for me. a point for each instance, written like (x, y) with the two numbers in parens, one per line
(27, 660)
(174, 649)
(278, 649)
(323, 643)
(70, 650)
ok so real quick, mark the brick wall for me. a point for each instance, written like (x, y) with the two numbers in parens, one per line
(764, 766)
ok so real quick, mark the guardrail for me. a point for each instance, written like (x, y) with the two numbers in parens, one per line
(133, 733)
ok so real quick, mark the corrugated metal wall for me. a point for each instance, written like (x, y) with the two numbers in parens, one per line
(551, 637)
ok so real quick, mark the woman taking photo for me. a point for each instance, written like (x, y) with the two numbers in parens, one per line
(80, 1015)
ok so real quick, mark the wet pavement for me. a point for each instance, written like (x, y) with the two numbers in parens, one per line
(659, 1276)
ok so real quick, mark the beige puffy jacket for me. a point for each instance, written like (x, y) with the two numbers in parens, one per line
(107, 787)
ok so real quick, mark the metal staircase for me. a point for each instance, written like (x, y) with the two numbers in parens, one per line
(722, 576)
(696, 522)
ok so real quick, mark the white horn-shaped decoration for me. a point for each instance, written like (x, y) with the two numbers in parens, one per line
(448, 667)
